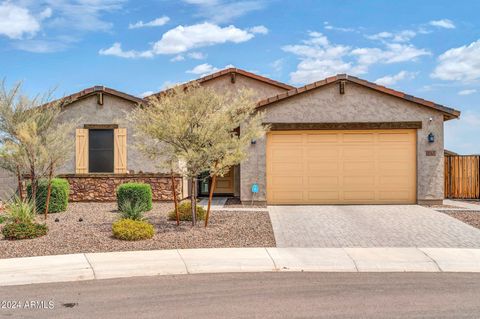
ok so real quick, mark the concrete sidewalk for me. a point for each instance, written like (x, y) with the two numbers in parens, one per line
(76, 267)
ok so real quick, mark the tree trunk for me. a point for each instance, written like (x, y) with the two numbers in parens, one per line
(33, 188)
(175, 201)
(212, 189)
(193, 200)
(49, 191)
(20, 186)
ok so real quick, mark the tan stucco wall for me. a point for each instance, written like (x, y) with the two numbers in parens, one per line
(113, 111)
(358, 104)
(261, 89)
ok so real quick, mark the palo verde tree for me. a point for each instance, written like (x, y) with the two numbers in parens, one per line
(198, 126)
(30, 132)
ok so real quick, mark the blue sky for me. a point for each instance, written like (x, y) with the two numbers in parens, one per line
(430, 49)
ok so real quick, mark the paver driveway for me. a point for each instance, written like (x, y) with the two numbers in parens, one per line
(369, 226)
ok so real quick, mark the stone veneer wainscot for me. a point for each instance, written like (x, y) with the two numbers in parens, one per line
(102, 187)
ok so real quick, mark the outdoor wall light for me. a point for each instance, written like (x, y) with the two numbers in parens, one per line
(431, 138)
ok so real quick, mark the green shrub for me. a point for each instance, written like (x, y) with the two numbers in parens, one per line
(2, 219)
(58, 196)
(185, 212)
(137, 193)
(20, 211)
(132, 210)
(128, 229)
(22, 230)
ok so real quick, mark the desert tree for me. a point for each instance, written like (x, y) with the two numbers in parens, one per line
(198, 126)
(30, 131)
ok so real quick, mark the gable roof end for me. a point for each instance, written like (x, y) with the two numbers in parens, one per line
(449, 113)
(69, 99)
(220, 73)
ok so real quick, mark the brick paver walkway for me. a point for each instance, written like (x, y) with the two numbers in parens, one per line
(369, 226)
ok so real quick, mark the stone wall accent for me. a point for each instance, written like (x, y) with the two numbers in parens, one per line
(102, 187)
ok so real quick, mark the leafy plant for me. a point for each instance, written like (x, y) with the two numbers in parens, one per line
(128, 229)
(132, 210)
(24, 230)
(60, 190)
(136, 194)
(185, 212)
(20, 211)
(2, 219)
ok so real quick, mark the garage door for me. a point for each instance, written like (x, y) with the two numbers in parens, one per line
(341, 167)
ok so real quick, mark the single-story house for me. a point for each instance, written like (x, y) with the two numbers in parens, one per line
(341, 140)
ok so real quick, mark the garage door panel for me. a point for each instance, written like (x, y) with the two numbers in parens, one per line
(359, 195)
(323, 182)
(328, 196)
(358, 137)
(341, 167)
(323, 138)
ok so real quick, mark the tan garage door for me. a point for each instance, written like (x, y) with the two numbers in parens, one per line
(341, 167)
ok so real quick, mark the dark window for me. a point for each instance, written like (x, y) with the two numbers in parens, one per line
(100, 151)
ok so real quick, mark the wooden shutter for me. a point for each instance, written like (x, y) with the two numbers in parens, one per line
(81, 151)
(120, 151)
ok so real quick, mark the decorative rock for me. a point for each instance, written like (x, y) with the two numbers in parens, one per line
(57, 220)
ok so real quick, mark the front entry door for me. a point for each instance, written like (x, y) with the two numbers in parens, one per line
(224, 184)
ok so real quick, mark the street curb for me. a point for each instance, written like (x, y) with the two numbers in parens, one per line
(89, 266)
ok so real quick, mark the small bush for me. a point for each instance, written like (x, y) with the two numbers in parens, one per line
(58, 196)
(22, 230)
(128, 229)
(133, 211)
(137, 193)
(2, 219)
(20, 211)
(185, 212)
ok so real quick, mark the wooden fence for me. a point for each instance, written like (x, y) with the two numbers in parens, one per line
(462, 176)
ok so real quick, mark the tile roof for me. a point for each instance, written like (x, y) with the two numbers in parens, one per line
(69, 99)
(449, 113)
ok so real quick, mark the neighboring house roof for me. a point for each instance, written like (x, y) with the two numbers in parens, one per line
(449, 113)
(449, 153)
(235, 71)
(69, 99)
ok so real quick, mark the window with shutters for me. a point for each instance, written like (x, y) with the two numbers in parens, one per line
(101, 150)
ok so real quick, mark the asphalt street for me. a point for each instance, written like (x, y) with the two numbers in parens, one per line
(252, 295)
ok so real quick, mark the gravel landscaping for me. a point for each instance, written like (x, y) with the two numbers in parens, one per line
(94, 232)
(235, 202)
(471, 217)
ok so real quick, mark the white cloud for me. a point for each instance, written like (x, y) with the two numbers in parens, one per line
(17, 22)
(177, 58)
(197, 55)
(260, 29)
(154, 23)
(462, 136)
(319, 58)
(146, 93)
(182, 39)
(83, 15)
(393, 79)
(185, 38)
(205, 69)
(221, 11)
(277, 65)
(328, 26)
(443, 23)
(116, 50)
(393, 53)
(401, 36)
(467, 92)
(459, 64)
